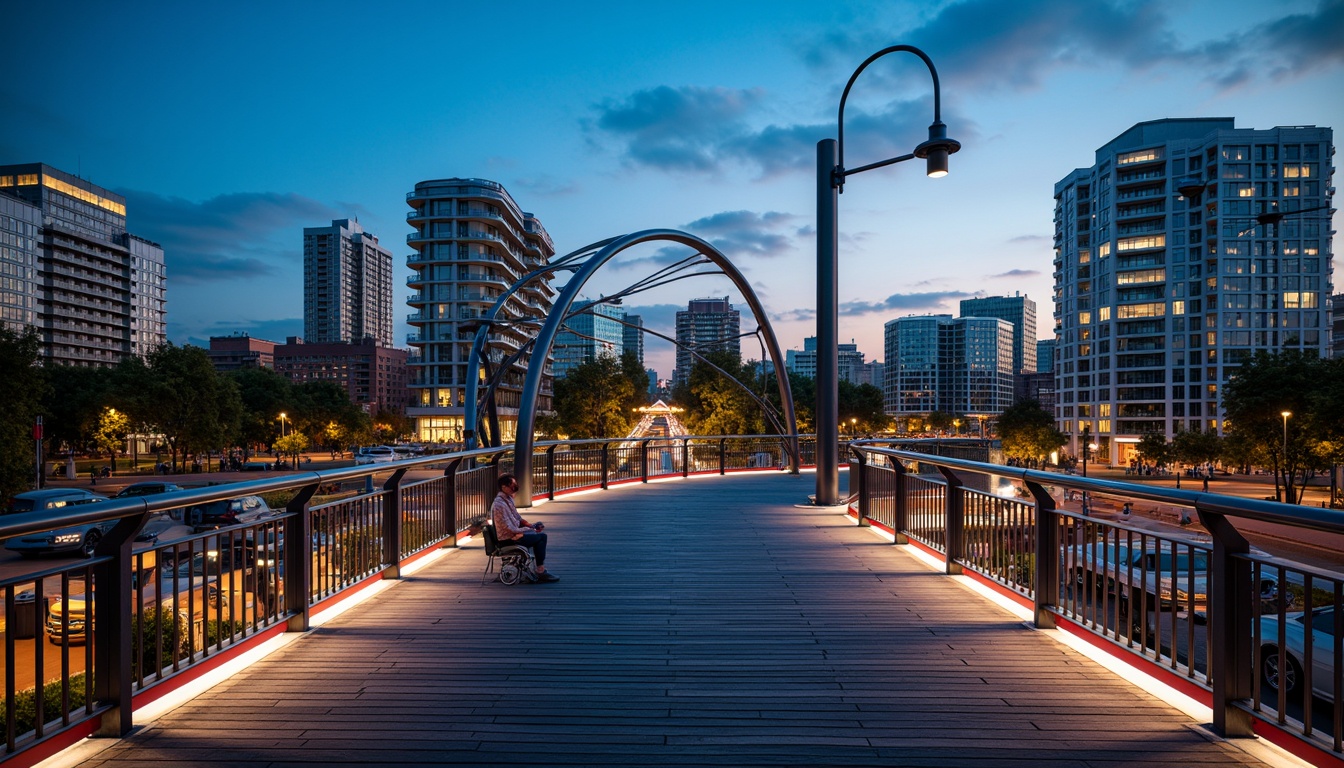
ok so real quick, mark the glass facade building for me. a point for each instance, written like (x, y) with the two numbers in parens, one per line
(961, 366)
(1166, 280)
(593, 329)
(705, 325)
(470, 242)
(96, 293)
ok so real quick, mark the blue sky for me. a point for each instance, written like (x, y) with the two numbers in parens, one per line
(231, 127)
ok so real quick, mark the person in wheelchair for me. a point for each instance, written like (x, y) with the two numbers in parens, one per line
(511, 528)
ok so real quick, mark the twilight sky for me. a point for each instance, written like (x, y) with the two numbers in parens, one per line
(231, 127)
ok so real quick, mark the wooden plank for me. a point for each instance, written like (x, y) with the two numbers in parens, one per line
(696, 623)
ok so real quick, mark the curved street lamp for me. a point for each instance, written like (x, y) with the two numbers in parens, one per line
(831, 174)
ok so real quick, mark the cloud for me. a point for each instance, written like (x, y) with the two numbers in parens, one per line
(230, 237)
(737, 234)
(703, 130)
(676, 129)
(1017, 273)
(277, 330)
(905, 302)
(1016, 44)
(546, 185)
(1031, 239)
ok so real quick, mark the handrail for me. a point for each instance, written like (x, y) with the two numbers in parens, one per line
(228, 588)
(1224, 622)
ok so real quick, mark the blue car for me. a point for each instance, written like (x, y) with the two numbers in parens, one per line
(82, 538)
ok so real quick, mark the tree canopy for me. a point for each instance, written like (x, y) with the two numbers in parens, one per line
(1028, 432)
(25, 386)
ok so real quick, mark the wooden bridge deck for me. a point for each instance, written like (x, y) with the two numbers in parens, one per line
(705, 622)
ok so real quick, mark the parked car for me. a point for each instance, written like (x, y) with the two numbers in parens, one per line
(239, 511)
(81, 538)
(1284, 666)
(376, 454)
(147, 488)
(1166, 574)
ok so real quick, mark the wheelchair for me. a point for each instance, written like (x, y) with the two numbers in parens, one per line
(517, 564)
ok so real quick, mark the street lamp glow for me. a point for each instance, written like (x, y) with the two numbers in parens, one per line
(282, 425)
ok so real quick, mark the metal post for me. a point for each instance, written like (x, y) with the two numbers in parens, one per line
(858, 477)
(723, 448)
(450, 502)
(392, 525)
(1230, 620)
(111, 635)
(299, 559)
(828, 321)
(644, 461)
(606, 464)
(1045, 590)
(686, 457)
(550, 472)
(900, 509)
(954, 517)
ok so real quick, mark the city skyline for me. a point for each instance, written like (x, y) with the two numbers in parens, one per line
(609, 123)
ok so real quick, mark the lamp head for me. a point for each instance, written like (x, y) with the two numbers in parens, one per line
(1286, 414)
(936, 149)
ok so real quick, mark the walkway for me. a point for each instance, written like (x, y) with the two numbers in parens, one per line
(697, 623)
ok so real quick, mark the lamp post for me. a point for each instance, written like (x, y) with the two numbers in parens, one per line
(1087, 435)
(831, 174)
(282, 425)
(1285, 415)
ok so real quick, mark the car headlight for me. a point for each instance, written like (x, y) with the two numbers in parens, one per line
(67, 538)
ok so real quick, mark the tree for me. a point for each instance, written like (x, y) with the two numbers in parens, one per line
(592, 399)
(25, 386)
(320, 403)
(861, 403)
(1254, 400)
(292, 445)
(110, 435)
(75, 399)
(194, 407)
(1194, 447)
(720, 405)
(1153, 448)
(265, 395)
(1028, 432)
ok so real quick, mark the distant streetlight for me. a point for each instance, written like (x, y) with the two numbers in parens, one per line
(853, 427)
(1087, 436)
(282, 425)
(1285, 415)
(956, 427)
(831, 174)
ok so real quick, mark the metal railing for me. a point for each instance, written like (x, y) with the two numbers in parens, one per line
(1259, 637)
(83, 640)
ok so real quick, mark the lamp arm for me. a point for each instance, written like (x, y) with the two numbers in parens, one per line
(840, 120)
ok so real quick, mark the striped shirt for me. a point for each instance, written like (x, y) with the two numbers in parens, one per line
(508, 523)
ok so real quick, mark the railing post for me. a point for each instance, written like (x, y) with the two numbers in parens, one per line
(900, 508)
(644, 461)
(858, 473)
(392, 525)
(550, 472)
(606, 464)
(111, 634)
(299, 559)
(723, 454)
(953, 520)
(1045, 582)
(450, 502)
(685, 457)
(1230, 621)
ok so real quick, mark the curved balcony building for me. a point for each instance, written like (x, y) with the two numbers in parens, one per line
(470, 242)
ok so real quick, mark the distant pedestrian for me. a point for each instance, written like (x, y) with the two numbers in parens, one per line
(1129, 507)
(1206, 483)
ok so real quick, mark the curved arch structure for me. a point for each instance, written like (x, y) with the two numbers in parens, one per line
(527, 408)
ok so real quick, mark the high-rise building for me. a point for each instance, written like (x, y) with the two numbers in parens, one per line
(935, 363)
(632, 339)
(593, 329)
(873, 374)
(347, 285)
(471, 242)
(1045, 356)
(96, 293)
(1018, 310)
(850, 365)
(706, 325)
(1166, 278)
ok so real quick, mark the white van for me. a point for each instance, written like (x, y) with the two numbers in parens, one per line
(376, 454)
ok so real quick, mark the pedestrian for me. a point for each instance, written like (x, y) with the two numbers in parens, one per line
(510, 527)
(1129, 507)
(1206, 483)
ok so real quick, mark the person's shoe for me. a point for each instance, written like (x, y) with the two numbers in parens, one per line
(547, 577)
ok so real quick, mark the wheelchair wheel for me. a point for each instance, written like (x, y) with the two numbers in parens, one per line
(509, 574)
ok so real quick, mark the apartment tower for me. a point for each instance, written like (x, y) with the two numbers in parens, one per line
(471, 242)
(706, 325)
(1188, 246)
(96, 293)
(347, 285)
